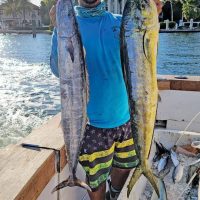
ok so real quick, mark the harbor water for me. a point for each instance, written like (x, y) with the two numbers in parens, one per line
(29, 93)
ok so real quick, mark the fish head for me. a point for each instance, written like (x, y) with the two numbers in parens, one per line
(65, 18)
(146, 15)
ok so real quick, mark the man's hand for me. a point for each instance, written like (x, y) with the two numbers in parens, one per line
(52, 15)
(159, 6)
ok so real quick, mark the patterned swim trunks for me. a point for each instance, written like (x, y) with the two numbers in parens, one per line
(105, 148)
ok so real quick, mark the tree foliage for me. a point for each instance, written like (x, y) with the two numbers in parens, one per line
(23, 6)
(13, 7)
(10, 8)
(191, 9)
(45, 7)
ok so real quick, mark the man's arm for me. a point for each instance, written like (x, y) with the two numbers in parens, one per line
(159, 6)
(54, 54)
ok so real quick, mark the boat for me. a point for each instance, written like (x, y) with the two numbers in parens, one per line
(31, 175)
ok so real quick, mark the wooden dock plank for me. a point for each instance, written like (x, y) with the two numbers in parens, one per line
(23, 172)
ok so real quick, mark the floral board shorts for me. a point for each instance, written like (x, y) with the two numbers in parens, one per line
(104, 148)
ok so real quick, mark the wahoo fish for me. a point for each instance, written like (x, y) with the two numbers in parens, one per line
(73, 88)
(139, 40)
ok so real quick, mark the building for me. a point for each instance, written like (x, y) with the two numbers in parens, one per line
(115, 6)
(21, 19)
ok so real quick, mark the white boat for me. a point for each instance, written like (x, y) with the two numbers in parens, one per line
(27, 174)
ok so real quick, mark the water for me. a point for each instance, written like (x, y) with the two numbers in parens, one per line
(29, 93)
(179, 53)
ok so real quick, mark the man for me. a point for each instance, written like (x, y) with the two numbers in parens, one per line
(108, 146)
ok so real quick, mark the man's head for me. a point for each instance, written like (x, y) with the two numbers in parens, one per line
(89, 3)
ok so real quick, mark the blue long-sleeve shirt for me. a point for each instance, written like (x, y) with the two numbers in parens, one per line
(108, 103)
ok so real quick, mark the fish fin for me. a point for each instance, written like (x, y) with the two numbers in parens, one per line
(152, 179)
(136, 175)
(70, 183)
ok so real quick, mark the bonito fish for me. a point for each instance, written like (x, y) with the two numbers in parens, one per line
(73, 88)
(139, 40)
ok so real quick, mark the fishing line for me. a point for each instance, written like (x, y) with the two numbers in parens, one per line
(187, 127)
(57, 167)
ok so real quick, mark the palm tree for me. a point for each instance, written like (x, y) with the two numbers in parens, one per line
(23, 6)
(10, 8)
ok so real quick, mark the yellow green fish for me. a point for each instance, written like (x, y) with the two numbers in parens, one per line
(139, 41)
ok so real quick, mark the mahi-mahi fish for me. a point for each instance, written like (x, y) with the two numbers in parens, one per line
(73, 88)
(139, 40)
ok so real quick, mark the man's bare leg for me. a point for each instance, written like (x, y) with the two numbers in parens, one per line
(99, 194)
(119, 177)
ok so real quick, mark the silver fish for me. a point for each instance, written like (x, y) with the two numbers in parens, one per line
(174, 158)
(178, 173)
(161, 186)
(139, 40)
(160, 150)
(162, 191)
(73, 88)
(163, 162)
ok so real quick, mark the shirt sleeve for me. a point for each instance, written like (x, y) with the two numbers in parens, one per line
(54, 54)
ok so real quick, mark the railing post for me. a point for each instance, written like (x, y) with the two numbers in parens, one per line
(167, 24)
(115, 6)
(122, 5)
(109, 5)
(191, 23)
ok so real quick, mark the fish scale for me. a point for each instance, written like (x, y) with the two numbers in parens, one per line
(139, 38)
(73, 87)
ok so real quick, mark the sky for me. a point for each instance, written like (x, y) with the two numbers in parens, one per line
(36, 2)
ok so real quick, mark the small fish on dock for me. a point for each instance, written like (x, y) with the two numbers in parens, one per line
(174, 157)
(160, 150)
(178, 173)
(161, 186)
(162, 162)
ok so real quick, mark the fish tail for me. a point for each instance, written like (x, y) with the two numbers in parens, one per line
(162, 191)
(136, 175)
(152, 179)
(70, 183)
(148, 174)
